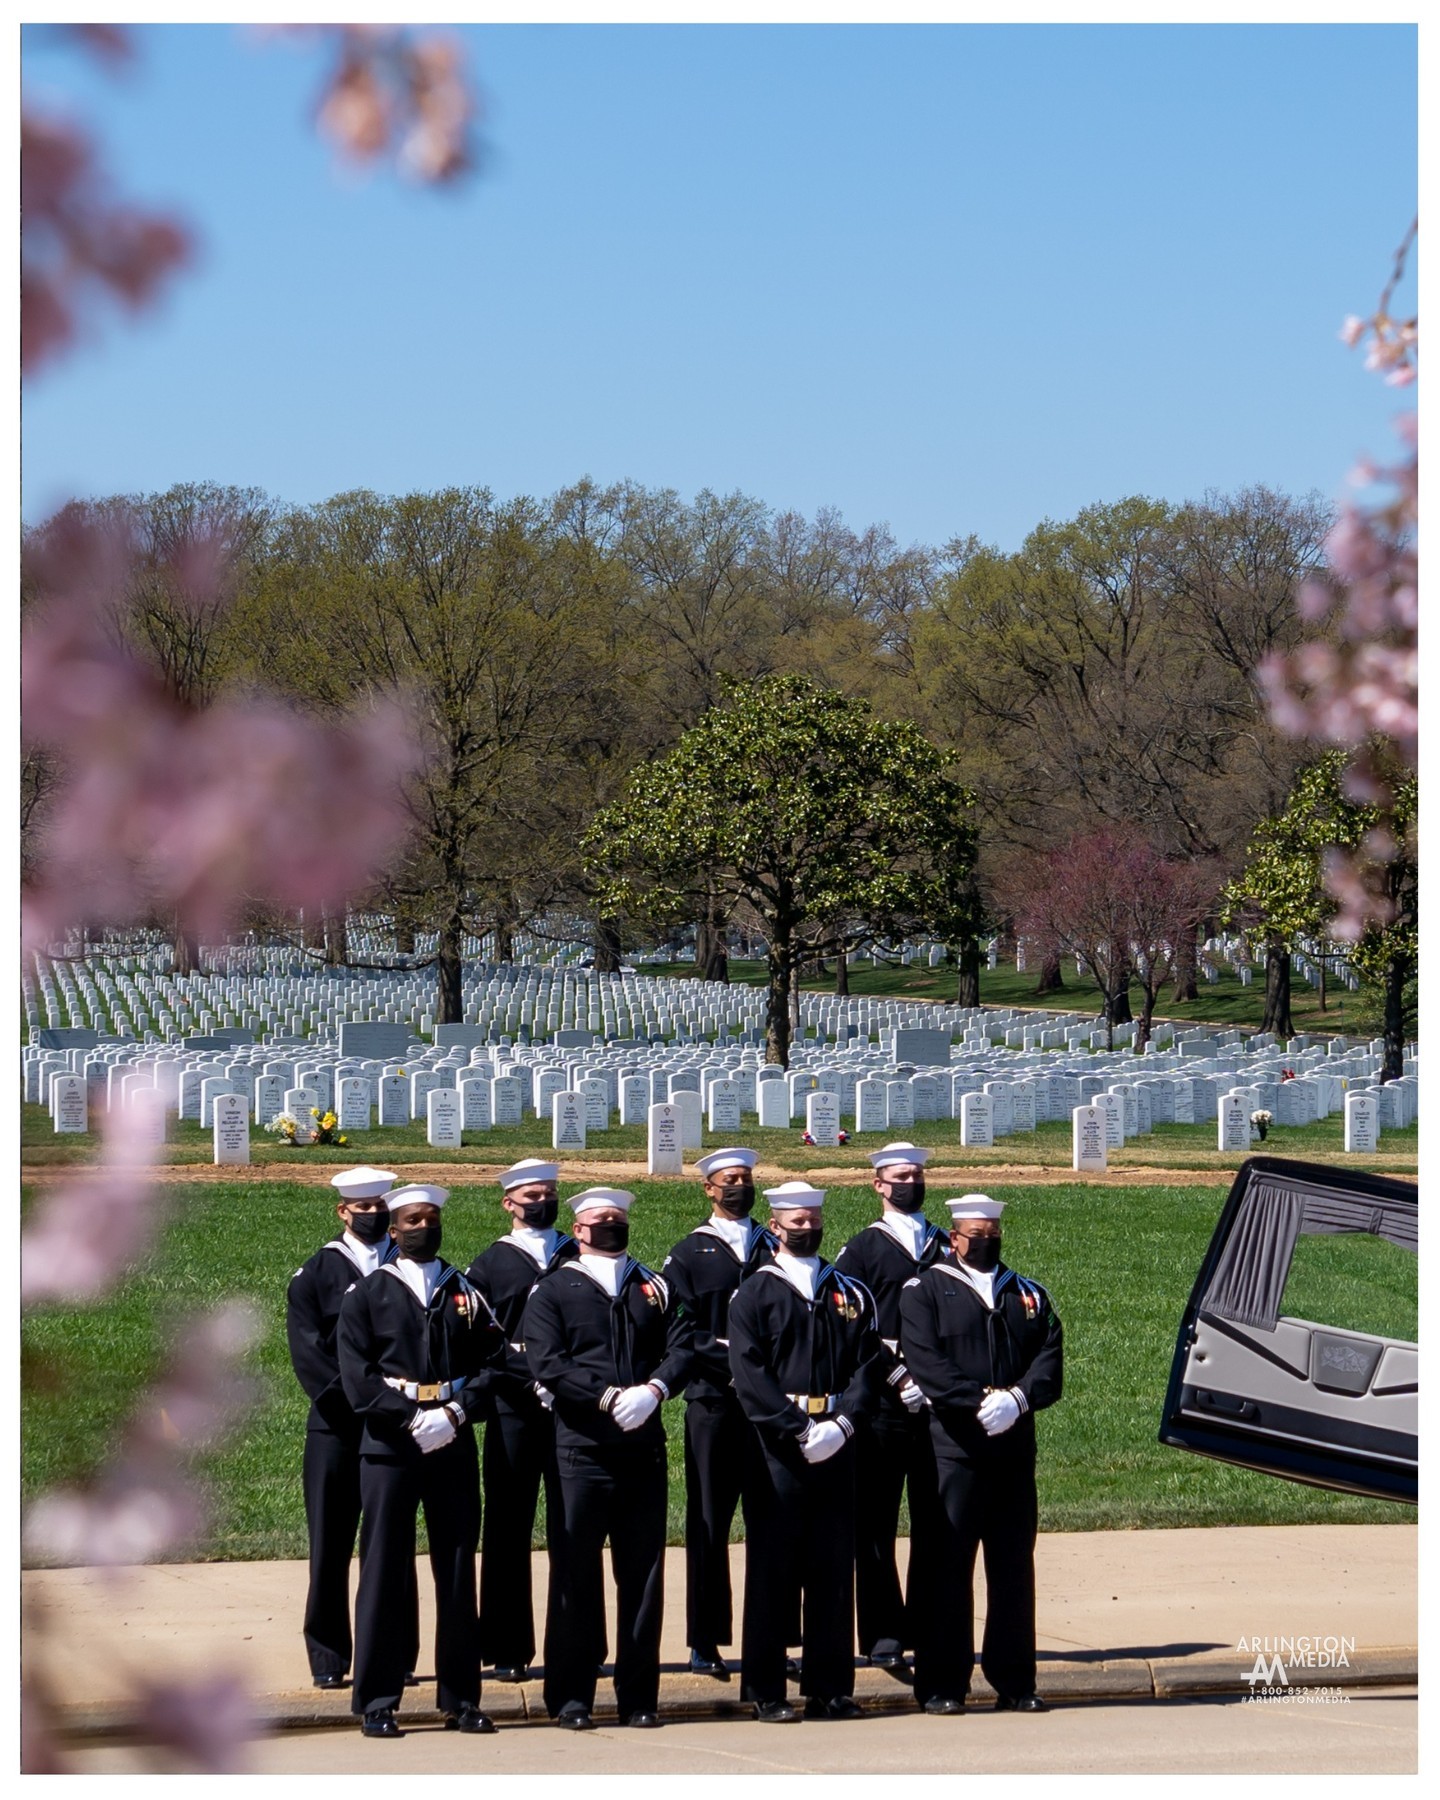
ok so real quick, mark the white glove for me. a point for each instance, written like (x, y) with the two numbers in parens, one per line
(432, 1429)
(633, 1406)
(544, 1396)
(998, 1412)
(824, 1440)
(910, 1396)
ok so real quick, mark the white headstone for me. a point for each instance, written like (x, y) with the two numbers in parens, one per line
(634, 1099)
(773, 1098)
(871, 1105)
(664, 1150)
(822, 1117)
(394, 1100)
(507, 1100)
(68, 1110)
(1113, 1108)
(230, 1128)
(354, 1108)
(298, 1101)
(977, 1120)
(687, 1104)
(899, 1103)
(442, 1118)
(596, 1097)
(1088, 1139)
(724, 1106)
(1362, 1122)
(568, 1119)
(1233, 1129)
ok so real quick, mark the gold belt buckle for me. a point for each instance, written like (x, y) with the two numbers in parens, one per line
(428, 1390)
(815, 1403)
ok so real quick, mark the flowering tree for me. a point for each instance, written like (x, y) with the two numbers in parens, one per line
(1113, 902)
(1355, 684)
(1285, 890)
(148, 793)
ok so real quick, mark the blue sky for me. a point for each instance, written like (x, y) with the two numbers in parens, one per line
(955, 278)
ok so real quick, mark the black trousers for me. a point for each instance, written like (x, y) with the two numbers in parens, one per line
(890, 1451)
(986, 1501)
(722, 1464)
(519, 1454)
(800, 1558)
(619, 1491)
(446, 1483)
(330, 1476)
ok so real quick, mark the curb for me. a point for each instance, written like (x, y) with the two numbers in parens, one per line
(695, 1697)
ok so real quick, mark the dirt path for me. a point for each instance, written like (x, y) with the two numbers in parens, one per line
(485, 1174)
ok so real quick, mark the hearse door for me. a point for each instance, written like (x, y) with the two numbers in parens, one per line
(1261, 1376)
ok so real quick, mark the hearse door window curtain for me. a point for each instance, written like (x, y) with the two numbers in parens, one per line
(1249, 1281)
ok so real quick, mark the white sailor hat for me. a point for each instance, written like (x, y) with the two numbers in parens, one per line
(899, 1153)
(529, 1169)
(601, 1196)
(975, 1206)
(726, 1159)
(794, 1194)
(362, 1184)
(416, 1193)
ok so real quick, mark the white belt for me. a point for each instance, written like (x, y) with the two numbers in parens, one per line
(425, 1390)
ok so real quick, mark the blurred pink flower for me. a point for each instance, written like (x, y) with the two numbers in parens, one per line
(209, 1721)
(81, 1236)
(141, 1506)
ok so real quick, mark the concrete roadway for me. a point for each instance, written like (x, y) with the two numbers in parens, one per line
(1368, 1731)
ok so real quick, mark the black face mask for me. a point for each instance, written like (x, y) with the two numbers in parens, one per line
(803, 1243)
(539, 1215)
(907, 1196)
(982, 1253)
(736, 1202)
(370, 1228)
(421, 1243)
(612, 1236)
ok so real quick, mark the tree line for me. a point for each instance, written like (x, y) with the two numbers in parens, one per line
(559, 653)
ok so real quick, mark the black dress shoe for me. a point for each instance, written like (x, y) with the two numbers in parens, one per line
(708, 1662)
(841, 1706)
(775, 1712)
(1028, 1703)
(380, 1725)
(792, 1669)
(471, 1719)
(887, 1654)
(642, 1721)
(412, 1679)
(574, 1717)
(944, 1705)
(329, 1681)
(512, 1672)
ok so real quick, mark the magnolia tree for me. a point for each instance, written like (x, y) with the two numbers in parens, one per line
(1121, 909)
(830, 825)
(158, 800)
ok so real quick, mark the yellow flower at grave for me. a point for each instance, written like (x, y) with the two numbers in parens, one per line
(314, 1112)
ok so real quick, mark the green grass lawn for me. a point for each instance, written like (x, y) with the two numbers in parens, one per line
(1119, 1263)
(1225, 1002)
(1048, 1146)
